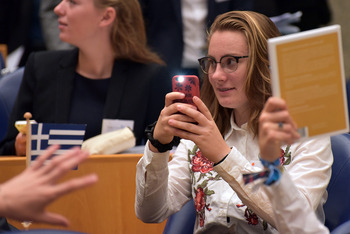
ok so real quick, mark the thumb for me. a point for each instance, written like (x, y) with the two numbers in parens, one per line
(53, 218)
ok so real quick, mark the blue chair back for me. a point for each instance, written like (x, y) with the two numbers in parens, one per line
(182, 221)
(9, 86)
(342, 229)
(337, 207)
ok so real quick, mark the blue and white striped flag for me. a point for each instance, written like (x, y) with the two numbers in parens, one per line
(45, 134)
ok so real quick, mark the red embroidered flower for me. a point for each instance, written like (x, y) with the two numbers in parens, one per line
(282, 157)
(201, 219)
(199, 205)
(251, 217)
(200, 163)
(199, 202)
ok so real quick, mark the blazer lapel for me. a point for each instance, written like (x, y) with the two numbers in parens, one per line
(65, 82)
(116, 89)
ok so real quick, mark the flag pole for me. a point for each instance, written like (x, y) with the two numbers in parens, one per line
(28, 116)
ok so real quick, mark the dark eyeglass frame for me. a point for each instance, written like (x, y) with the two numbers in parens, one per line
(237, 58)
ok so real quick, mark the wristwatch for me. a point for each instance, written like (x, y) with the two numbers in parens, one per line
(160, 147)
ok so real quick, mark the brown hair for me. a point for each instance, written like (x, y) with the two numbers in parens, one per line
(128, 33)
(257, 29)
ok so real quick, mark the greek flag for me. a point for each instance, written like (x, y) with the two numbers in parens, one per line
(66, 135)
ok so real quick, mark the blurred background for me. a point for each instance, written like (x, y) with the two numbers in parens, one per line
(341, 16)
(21, 24)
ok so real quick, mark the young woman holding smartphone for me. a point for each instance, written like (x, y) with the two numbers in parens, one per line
(212, 156)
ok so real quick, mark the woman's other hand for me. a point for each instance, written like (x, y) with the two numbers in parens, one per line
(276, 127)
(20, 144)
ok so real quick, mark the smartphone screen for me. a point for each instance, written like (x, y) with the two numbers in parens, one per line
(187, 84)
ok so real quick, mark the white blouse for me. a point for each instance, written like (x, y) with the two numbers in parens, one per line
(292, 213)
(223, 203)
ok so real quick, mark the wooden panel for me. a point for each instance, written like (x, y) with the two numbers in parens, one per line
(107, 207)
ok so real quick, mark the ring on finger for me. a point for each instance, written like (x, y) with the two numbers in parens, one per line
(280, 125)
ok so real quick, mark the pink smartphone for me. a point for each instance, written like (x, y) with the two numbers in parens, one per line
(187, 84)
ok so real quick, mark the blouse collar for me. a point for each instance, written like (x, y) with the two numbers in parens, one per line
(234, 127)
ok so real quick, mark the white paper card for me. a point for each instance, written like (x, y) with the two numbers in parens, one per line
(109, 125)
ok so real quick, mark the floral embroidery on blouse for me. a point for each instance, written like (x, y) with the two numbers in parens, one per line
(285, 157)
(200, 164)
(249, 215)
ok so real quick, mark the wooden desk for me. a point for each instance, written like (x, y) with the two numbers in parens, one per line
(107, 207)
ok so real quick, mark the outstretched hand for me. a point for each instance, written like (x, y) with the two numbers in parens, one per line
(25, 196)
(276, 127)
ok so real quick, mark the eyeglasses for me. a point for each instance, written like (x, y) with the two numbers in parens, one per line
(228, 62)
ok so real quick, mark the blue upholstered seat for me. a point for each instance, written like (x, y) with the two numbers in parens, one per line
(183, 221)
(337, 207)
(9, 85)
(342, 229)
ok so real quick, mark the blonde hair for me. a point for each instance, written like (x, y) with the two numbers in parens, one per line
(128, 33)
(257, 29)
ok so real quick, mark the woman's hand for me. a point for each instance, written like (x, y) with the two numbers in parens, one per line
(202, 130)
(20, 144)
(163, 132)
(276, 127)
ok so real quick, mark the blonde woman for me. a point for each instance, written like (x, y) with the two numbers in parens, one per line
(110, 75)
(210, 160)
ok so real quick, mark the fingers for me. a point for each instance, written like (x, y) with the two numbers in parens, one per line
(285, 133)
(202, 117)
(274, 104)
(20, 144)
(59, 160)
(195, 113)
(42, 158)
(163, 132)
(74, 184)
(21, 138)
(170, 97)
(276, 127)
(275, 110)
(60, 165)
(52, 218)
(280, 116)
(202, 108)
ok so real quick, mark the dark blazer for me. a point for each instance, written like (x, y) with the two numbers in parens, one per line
(137, 92)
(163, 22)
(15, 22)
